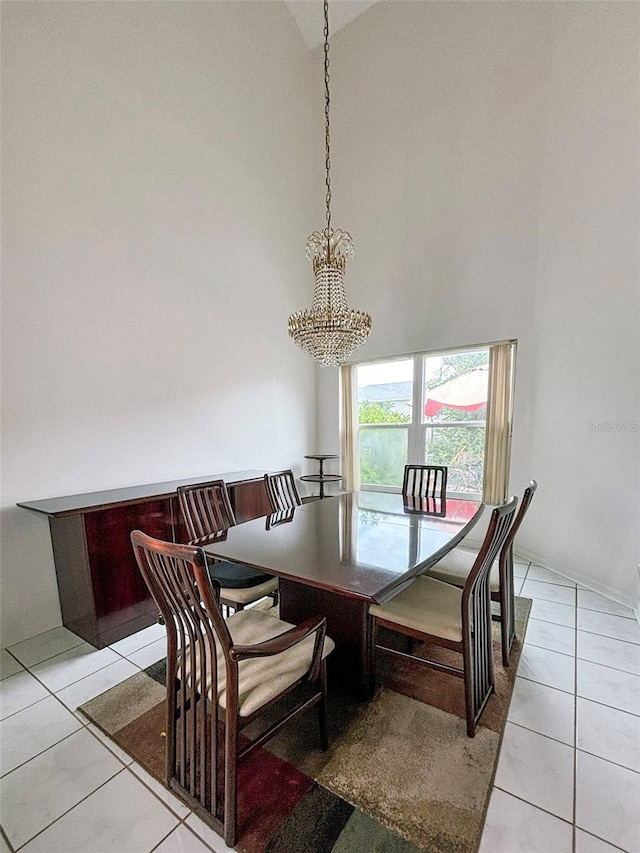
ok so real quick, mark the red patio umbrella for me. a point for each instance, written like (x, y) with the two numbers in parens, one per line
(467, 392)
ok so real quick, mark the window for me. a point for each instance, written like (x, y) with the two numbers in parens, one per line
(430, 408)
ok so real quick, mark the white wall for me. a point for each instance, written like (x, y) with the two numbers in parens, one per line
(587, 382)
(485, 160)
(161, 172)
(156, 202)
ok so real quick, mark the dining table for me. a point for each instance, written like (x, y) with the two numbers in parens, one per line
(335, 557)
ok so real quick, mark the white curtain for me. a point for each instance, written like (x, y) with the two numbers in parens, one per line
(349, 427)
(497, 442)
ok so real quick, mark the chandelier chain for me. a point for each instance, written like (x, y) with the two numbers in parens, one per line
(326, 115)
(329, 331)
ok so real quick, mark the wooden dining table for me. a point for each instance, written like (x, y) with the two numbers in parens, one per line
(337, 556)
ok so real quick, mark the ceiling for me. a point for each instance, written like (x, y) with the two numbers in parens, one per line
(308, 16)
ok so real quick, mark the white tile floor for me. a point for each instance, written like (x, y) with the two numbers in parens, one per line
(568, 779)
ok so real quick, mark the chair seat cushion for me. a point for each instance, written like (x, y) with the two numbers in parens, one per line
(235, 575)
(249, 593)
(260, 679)
(428, 606)
(455, 567)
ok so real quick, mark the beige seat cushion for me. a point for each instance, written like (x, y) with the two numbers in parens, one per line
(455, 568)
(261, 679)
(246, 595)
(427, 605)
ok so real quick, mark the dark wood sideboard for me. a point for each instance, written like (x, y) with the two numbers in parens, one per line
(103, 596)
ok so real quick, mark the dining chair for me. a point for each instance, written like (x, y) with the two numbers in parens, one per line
(221, 675)
(207, 510)
(440, 614)
(281, 490)
(454, 568)
(425, 481)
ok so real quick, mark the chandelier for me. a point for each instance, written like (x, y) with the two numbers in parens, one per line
(330, 331)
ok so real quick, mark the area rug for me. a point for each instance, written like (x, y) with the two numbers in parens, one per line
(400, 776)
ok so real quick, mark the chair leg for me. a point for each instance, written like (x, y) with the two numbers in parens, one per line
(372, 634)
(322, 708)
(507, 609)
(477, 653)
(275, 595)
(230, 817)
(505, 643)
(467, 664)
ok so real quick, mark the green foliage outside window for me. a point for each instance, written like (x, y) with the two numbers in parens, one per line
(380, 413)
(383, 452)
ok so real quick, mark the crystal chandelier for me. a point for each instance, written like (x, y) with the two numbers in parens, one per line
(330, 331)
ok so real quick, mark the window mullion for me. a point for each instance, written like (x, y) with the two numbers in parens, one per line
(414, 451)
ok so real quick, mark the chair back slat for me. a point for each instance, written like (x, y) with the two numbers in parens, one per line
(282, 491)
(425, 481)
(507, 593)
(189, 604)
(525, 503)
(497, 532)
(476, 609)
(206, 508)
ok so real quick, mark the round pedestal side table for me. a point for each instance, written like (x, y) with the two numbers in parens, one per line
(321, 478)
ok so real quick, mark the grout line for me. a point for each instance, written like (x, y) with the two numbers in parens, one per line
(51, 657)
(577, 655)
(575, 725)
(604, 841)
(608, 760)
(64, 687)
(554, 651)
(188, 828)
(92, 731)
(608, 636)
(552, 582)
(547, 622)
(604, 705)
(10, 846)
(129, 767)
(42, 752)
(608, 612)
(533, 805)
(544, 683)
(541, 734)
(546, 649)
(70, 809)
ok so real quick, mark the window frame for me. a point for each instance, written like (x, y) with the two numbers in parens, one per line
(417, 431)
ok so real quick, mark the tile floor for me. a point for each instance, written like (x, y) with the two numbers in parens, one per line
(568, 778)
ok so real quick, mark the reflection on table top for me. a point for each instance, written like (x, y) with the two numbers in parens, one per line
(359, 544)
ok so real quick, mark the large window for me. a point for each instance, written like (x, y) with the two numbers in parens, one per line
(429, 408)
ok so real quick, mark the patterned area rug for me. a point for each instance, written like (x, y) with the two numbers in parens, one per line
(400, 776)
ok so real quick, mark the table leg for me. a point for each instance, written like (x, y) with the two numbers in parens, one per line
(346, 625)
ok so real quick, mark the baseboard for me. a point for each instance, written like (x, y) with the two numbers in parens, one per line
(587, 582)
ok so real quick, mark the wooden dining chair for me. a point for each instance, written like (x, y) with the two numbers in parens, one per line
(207, 510)
(425, 481)
(221, 675)
(454, 568)
(281, 490)
(443, 615)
